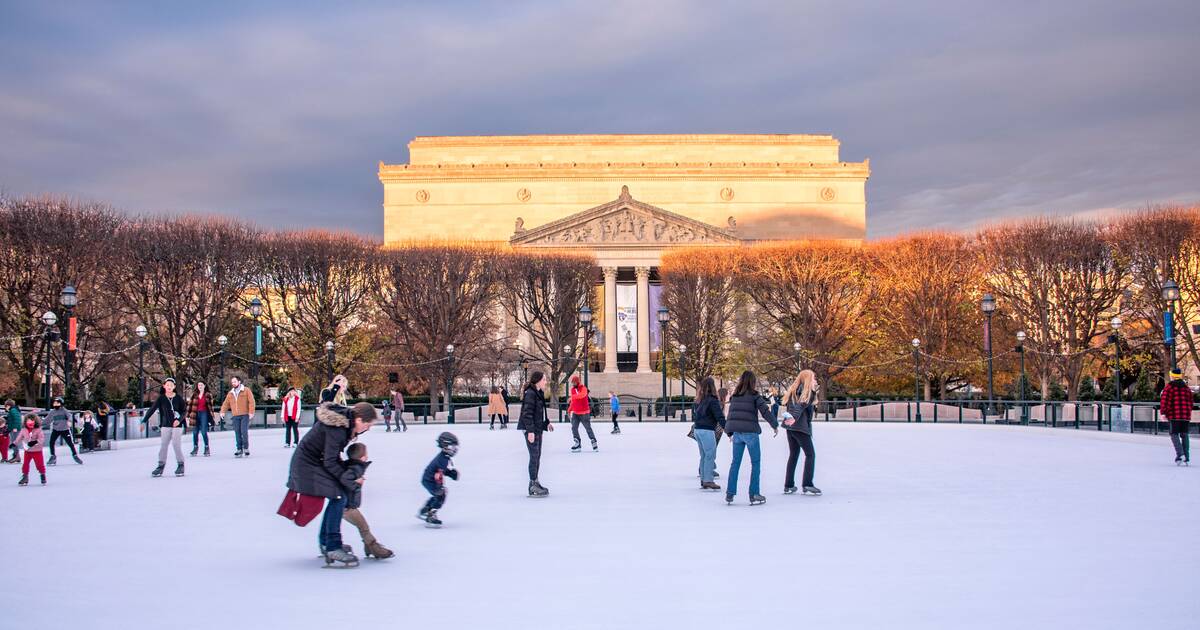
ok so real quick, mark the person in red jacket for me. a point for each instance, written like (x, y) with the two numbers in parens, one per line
(581, 413)
(290, 410)
(32, 440)
(1176, 406)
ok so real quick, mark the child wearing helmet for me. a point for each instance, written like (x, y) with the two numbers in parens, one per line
(434, 478)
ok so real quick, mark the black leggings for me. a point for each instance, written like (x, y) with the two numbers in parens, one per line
(66, 436)
(291, 430)
(798, 441)
(614, 419)
(535, 454)
(503, 420)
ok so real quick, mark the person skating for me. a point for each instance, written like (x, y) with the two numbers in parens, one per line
(356, 468)
(434, 478)
(580, 409)
(199, 416)
(8, 432)
(317, 469)
(1175, 405)
(800, 403)
(239, 403)
(31, 438)
(496, 408)
(504, 399)
(172, 413)
(614, 408)
(707, 418)
(532, 422)
(398, 409)
(60, 429)
(290, 410)
(745, 407)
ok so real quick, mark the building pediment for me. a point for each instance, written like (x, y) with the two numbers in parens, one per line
(624, 221)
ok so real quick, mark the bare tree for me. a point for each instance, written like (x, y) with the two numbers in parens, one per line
(699, 290)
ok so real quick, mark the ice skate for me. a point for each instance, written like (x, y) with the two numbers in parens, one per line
(206, 452)
(53, 460)
(728, 499)
(431, 519)
(24, 480)
(179, 469)
(238, 453)
(790, 490)
(77, 460)
(321, 550)
(375, 550)
(537, 491)
(195, 449)
(709, 486)
(757, 499)
(158, 470)
(813, 490)
(716, 475)
(43, 476)
(574, 449)
(340, 559)
(246, 453)
(595, 446)
(616, 431)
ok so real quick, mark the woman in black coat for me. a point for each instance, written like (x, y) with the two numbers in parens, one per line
(708, 418)
(745, 407)
(800, 402)
(317, 470)
(532, 422)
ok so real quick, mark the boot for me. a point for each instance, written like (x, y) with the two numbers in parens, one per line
(708, 485)
(206, 453)
(789, 489)
(53, 460)
(179, 469)
(574, 449)
(340, 558)
(537, 491)
(195, 449)
(431, 519)
(375, 550)
(158, 470)
(43, 479)
(595, 447)
(77, 460)
(813, 490)
(757, 499)
(24, 480)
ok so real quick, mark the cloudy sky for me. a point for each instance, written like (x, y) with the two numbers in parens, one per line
(969, 111)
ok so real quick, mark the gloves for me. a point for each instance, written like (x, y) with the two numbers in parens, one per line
(31, 443)
(452, 473)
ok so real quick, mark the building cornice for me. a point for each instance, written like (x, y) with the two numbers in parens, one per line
(625, 139)
(620, 170)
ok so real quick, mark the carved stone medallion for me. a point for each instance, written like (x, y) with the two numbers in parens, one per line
(828, 194)
(727, 194)
(422, 195)
(524, 195)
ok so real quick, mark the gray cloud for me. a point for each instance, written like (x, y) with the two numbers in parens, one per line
(970, 112)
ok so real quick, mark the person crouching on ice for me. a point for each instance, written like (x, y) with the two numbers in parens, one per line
(317, 469)
(356, 468)
(434, 478)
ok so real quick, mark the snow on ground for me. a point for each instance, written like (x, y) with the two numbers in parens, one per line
(921, 526)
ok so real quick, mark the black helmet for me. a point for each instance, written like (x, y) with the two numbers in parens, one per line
(447, 440)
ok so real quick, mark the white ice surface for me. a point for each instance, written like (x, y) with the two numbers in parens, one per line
(921, 526)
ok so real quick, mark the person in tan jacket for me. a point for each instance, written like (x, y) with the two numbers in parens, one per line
(497, 407)
(239, 403)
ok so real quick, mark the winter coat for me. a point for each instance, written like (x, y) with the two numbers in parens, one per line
(290, 409)
(59, 419)
(13, 419)
(317, 466)
(707, 414)
(193, 407)
(438, 469)
(1176, 401)
(496, 405)
(802, 413)
(35, 435)
(239, 402)
(169, 410)
(580, 405)
(533, 411)
(355, 469)
(744, 412)
(614, 404)
(398, 401)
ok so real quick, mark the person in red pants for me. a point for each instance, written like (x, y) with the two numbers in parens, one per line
(32, 439)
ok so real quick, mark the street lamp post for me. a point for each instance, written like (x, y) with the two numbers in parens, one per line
(1115, 322)
(256, 307)
(222, 341)
(796, 349)
(664, 316)
(1170, 293)
(68, 298)
(916, 344)
(988, 306)
(1021, 393)
(450, 383)
(329, 356)
(585, 320)
(51, 336)
(682, 382)
(141, 332)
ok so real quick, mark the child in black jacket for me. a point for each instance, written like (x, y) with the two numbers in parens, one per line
(434, 478)
(356, 468)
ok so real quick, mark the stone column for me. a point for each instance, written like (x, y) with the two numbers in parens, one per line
(643, 319)
(610, 320)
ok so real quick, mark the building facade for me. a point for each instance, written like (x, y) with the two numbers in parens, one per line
(625, 199)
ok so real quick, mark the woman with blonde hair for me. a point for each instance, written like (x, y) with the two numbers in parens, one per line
(800, 404)
(336, 392)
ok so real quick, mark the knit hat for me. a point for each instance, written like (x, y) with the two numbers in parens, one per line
(1176, 375)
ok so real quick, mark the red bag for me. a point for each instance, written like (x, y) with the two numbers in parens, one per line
(300, 508)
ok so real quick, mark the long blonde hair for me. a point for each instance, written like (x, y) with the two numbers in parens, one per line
(797, 393)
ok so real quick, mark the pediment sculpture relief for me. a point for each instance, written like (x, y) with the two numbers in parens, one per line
(626, 226)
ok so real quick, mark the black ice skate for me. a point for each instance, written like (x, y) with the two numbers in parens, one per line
(238, 453)
(77, 460)
(709, 486)
(24, 480)
(340, 559)
(790, 490)
(179, 469)
(757, 499)
(246, 453)
(158, 470)
(195, 449)
(616, 431)
(431, 519)
(53, 460)
(728, 499)
(595, 446)
(813, 490)
(43, 475)
(206, 453)
(577, 448)
(537, 491)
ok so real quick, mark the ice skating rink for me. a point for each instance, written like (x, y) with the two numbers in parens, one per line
(921, 526)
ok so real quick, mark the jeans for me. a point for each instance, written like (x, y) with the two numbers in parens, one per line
(291, 432)
(241, 433)
(742, 442)
(202, 420)
(535, 454)
(1179, 439)
(170, 437)
(66, 437)
(706, 439)
(797, 442)
(330, 534)
(586, 421)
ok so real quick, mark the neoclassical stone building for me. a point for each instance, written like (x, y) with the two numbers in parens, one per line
(625, 199)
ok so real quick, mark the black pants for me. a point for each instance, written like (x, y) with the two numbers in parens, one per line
(437, 497)
(291, 430)
(1179, 439)
(66, 436)
(798, 441)
(88, 436)
(614, 419)
(503, 420)
(535, 454)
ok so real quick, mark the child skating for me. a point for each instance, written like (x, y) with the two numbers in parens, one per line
(356, 468)
(434, 479)
(31, 439)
